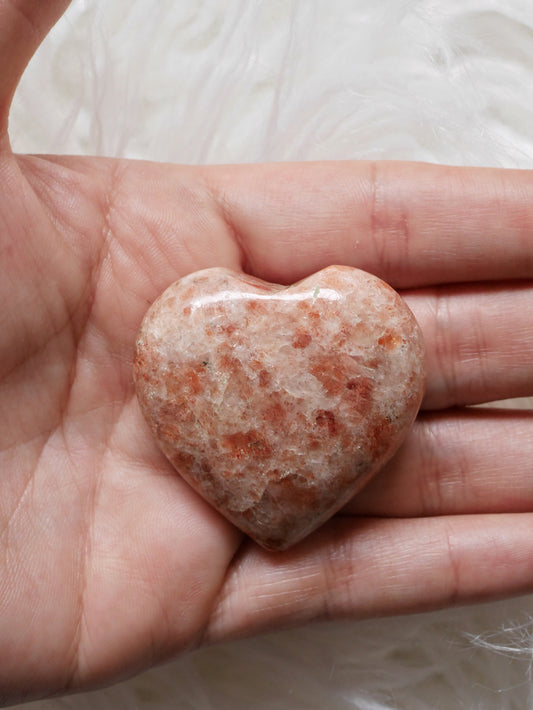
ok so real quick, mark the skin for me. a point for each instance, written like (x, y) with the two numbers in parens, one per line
(108, 561)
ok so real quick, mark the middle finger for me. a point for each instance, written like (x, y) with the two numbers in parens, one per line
(479, 342)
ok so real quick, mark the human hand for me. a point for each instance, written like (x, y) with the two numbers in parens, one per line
(109, 562)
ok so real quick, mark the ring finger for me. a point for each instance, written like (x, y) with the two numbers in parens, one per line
(456, 462)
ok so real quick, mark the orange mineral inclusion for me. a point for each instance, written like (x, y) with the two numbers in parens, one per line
(276, 403)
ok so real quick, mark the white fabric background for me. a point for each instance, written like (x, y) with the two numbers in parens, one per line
(252, 80)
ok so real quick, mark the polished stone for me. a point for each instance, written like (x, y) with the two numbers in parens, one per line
(275, 403)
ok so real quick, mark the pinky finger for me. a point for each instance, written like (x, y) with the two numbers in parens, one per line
(363, 567)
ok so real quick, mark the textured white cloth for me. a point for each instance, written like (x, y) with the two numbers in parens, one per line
(253, 80)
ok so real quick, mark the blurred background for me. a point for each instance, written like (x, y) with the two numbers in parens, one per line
(206, 81)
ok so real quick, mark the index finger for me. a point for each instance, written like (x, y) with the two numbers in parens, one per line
(412, 224)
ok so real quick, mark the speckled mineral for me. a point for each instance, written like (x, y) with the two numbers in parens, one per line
(277, 404)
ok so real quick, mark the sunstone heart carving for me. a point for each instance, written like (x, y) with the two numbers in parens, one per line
(277, 404)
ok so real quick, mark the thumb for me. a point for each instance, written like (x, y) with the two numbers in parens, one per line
(23, 26)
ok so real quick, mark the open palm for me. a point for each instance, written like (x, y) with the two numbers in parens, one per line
(108, 561)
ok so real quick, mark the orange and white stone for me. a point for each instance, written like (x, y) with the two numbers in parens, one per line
(277, 403)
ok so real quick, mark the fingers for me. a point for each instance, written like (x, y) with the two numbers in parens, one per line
(23, 26)
(457, 462)
(479, 342)
(411, 224)
(375, 567)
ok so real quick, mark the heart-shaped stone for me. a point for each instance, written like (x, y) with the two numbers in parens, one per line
(278, 403)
